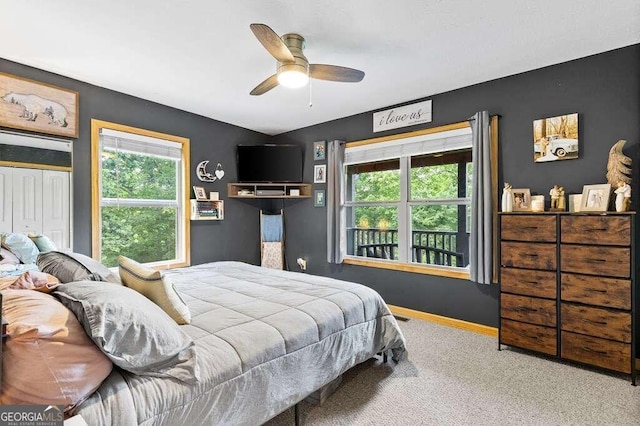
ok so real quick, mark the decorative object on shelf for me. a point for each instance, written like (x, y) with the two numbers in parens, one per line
(619, 165)
(294, 192)
(37, 107)
(623, 197)
(318, 198)
(555, 138)
(574, 202)
(537, 203)
(205, 176)
(507, 198)
(521, 200)
(207, 210)
(214, 196)
(595, 198)
(318, 151)
(269, 190)
(558, 202)
(320, 173)
(200, 193)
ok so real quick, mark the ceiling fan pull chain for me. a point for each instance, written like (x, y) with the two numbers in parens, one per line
(310, 95)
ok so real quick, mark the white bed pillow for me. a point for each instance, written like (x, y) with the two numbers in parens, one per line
(156, 287)
(20, 245)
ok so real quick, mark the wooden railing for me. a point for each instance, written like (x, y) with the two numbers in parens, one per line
(427, 247)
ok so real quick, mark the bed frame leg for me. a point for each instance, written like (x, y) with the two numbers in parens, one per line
(296, 414)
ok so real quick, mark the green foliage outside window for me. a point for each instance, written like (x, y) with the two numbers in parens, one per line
(146, 234)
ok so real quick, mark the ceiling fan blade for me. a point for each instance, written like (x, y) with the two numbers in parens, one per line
(335, 73)
(272, 42)
(265, 86)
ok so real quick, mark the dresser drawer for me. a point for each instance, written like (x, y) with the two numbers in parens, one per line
(597, 322)
(528, 309)
(596, 260)
(600, 230)
(599, 352)
(528, 336)
(528, 228)
(528, 282)
(607, 292)
(528, 255)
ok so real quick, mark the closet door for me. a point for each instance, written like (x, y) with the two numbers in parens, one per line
(6, 199)
(27, 200)
(55, 207)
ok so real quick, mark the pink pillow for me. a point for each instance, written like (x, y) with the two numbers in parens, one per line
(35, 280)
(8, 258)
(48, 358)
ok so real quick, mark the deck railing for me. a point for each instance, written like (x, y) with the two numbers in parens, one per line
(427, 247)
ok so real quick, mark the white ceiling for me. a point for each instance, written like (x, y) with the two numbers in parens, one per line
(200, 55)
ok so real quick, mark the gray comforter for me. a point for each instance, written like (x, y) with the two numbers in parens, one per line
(265, 340)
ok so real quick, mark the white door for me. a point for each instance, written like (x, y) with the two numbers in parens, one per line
(27, 200)
(55, 211)
(6, 199)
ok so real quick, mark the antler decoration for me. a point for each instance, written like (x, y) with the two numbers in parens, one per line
(619, 165)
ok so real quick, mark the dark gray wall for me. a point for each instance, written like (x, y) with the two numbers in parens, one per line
(604, 90)
(233, 238)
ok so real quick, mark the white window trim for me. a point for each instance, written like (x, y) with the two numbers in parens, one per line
(403, 148)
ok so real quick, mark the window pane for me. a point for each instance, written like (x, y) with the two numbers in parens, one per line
(374, 181)
(439, 182)
(373, 232)
(145, 234)
(469, 179)
(438, 235)
(127, 175)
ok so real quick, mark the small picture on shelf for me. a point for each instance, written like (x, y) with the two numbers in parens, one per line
(521, 200)
(200, 193)
(595, 198)
(320, 173)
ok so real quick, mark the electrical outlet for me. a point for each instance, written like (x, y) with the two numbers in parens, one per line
(302, 263)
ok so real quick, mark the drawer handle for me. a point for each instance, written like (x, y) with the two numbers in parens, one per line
(596, 290)
(526, 336)
(531, 255)
(587, 349)
(595, 229)
(595, 260)
(526, 309)
(596, 322)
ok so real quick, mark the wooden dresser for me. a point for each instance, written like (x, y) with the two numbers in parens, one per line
(567, 286)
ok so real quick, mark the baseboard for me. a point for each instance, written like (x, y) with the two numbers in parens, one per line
(451, 322)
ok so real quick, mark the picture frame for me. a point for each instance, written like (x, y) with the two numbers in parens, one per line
(521, 199)
(318, 198)
(319, 151)
(38, 107)
(200, 193)
(595, 198)
(537, 203)
(320, 173)
(556, 138)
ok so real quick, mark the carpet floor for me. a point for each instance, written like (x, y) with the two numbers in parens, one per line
(455, 377)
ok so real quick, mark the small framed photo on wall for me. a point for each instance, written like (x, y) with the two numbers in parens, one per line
(318, 198)
(320, 173)
(318, 151)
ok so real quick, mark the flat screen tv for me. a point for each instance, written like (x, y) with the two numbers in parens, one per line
(269, 163)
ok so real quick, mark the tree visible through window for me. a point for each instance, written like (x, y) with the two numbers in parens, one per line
(141, 201)
(414, 208)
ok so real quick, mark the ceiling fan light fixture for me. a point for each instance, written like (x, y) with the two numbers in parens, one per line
(292, 78)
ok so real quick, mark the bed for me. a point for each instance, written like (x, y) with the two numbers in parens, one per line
(265, 340)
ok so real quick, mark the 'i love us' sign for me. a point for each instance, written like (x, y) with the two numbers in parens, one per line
(409, 115)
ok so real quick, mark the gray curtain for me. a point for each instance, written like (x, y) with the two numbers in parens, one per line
(336, 214)
(480, 245)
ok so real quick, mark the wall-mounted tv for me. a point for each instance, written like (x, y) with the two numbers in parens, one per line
(269, 163)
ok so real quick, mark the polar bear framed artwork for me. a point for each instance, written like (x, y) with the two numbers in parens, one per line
(37, 107)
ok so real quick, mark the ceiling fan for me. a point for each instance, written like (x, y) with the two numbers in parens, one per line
(294, 69)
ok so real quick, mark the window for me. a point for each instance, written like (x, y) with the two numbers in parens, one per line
(408, 199)
(140, 193)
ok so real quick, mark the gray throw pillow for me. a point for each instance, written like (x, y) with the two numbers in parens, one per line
(131, 330)
(70, 266)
